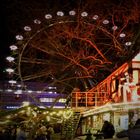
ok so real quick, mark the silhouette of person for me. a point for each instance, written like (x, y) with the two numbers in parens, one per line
(107, 130)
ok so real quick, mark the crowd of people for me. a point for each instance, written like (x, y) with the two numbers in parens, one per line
(44, 132)
(14, 132)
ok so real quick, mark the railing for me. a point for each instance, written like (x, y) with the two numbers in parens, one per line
(88, 99)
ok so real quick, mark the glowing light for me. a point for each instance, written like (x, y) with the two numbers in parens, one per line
(37, 21)
(12, 82)
(18, 85)
(48, 118)
(13, 47)
(62, 100)
(39, 92)
(29, 91)
(95, 17)
(114, 28)
(25, 104)
(84, 14)
(72, 13)
(27, 28)
(105, 21)
(122, 35)
(60, 13)
(48, 16)
(67, 114)
(9, 70)
(9, 90)
(128, 43)
(19, 91)
(19, 37)
(10, 59)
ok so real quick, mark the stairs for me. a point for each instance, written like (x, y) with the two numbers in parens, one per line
(69, 127)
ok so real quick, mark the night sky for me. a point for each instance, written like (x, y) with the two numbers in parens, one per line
(15, 14)
(6, 39)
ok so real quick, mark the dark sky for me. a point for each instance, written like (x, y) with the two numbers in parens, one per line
(15, 14)
(6, 39)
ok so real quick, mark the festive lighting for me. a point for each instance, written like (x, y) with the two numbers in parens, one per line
(19, 37)
(105, 21)
(48, 16)
(86, 64)
(128, 43)
(9, 90)
(10, 58)
(12, 82)
(122, 35)
(19, 91)
(29, 91)
(84, 14)
(60, 13)
(67, 114)
(72, 13)
(27, 28)
(25, 103)
(13, 47)
(95, 17)
(37, 21)
(9, 70)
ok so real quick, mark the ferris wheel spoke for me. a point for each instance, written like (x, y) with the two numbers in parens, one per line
(35, 76)
(34, 61)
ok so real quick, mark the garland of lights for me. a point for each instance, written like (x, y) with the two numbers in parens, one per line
(67, 114)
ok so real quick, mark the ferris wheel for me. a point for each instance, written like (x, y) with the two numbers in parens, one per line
(69, 50)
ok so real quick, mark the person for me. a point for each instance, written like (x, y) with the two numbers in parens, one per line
(50, 131)
(89, 135)
(21, 134)
(132, 133)
(41, 133)
(108, 130)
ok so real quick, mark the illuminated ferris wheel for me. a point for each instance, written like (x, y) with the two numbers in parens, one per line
(68, 50)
